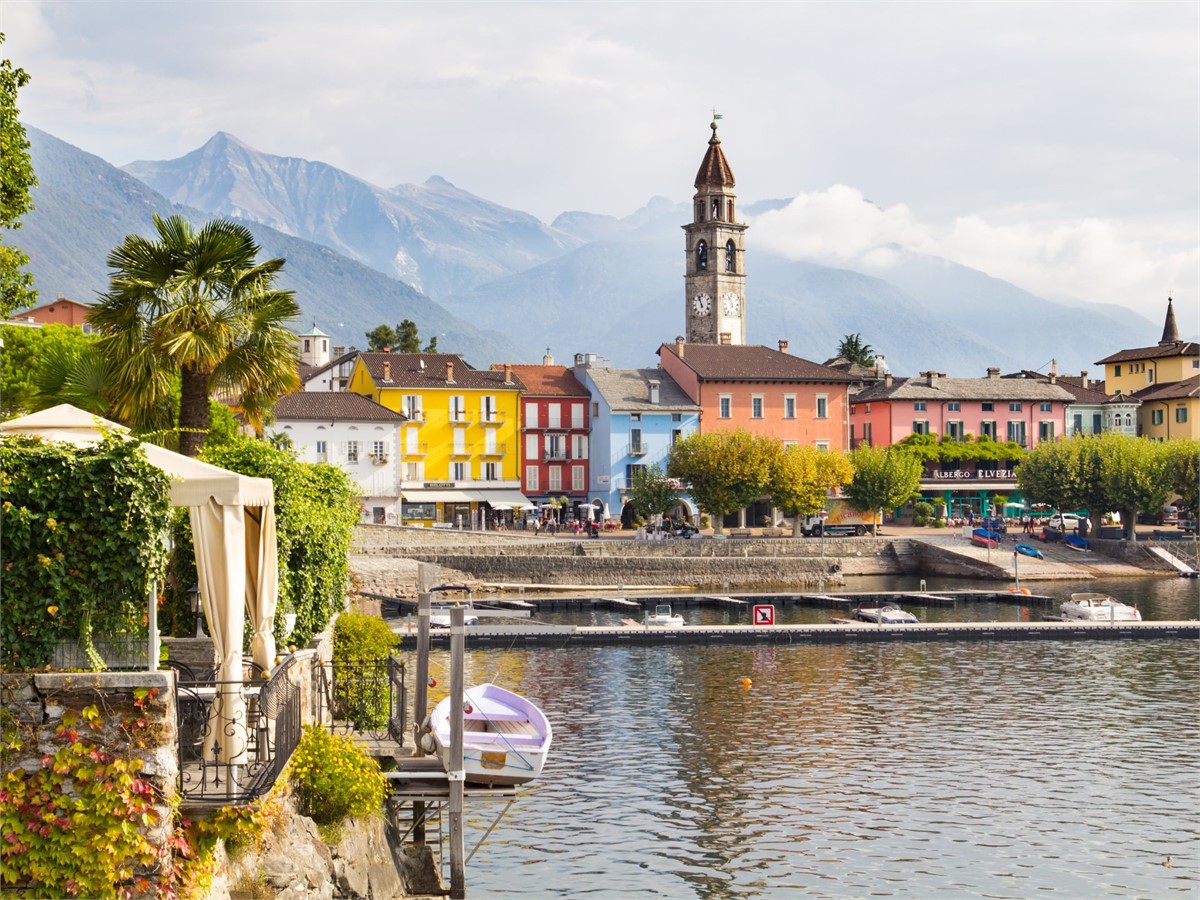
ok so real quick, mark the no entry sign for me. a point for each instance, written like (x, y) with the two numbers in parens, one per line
(764, 614)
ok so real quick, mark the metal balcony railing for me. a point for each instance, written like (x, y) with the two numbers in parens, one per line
(366, 697)
(497, 450)
(415, 450)
(231, 752)
(491, 417)
(460, 417)
(555, 456)
(638, 449)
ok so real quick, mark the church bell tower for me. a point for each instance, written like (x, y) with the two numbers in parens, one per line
(715, 277)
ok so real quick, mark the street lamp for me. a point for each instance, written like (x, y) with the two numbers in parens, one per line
(197, 611)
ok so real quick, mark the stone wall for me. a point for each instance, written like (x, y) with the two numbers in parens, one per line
(38, 702)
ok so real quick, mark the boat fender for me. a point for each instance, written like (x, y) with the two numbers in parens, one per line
(747, 683)
(432, 681)
(468, 709)
(1025, 591)
(427, 742)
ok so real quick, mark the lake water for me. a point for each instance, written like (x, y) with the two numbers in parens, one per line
(977, 770)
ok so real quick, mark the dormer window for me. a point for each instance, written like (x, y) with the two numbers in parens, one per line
(701, 256)
(730, 257)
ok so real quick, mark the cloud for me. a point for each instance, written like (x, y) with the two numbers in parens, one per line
(1127, 262)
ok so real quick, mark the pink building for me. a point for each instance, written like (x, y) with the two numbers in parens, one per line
(1005, 409)
(63, 311)
(763, 391)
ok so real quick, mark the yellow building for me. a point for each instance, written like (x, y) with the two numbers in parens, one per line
(1171, 360)
(1171, 410)
(460, 444)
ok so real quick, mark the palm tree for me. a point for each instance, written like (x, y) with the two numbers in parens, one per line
(853, 349)
(195, 305)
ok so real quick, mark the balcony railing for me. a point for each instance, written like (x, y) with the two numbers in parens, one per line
(497, 450)
(235, 737)
(555, 456)
(460, 418)
(414, 416)
(463, 451)
(491, 417)
(415, 450)
(637, 449)
(366, 697)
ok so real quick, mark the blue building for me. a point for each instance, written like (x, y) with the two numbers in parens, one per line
(637, 414)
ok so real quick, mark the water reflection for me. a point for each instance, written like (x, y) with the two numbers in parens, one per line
(974, 769)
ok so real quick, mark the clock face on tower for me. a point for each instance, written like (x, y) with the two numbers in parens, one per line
(731, 303)
(702, 304)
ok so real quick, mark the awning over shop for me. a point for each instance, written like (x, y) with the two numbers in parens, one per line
(502, 499)
(416, 495)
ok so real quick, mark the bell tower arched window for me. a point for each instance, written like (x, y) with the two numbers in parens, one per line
(730, 257)
(701, 256)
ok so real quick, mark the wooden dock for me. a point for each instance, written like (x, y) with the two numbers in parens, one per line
(584, 636)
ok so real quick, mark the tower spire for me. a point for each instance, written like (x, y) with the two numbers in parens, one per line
(1170, 333)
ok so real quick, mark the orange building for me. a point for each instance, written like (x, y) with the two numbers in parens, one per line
(62, 311)
(763, 391)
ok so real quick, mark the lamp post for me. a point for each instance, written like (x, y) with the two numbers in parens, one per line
(197, 612)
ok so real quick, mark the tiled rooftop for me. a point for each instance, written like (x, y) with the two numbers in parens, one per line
(428, 370)
(333, 405)
(628, 390)
(738, 362)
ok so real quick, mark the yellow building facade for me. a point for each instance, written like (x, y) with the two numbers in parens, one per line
(460, 444)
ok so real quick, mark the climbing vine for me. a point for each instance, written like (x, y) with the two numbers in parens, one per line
(82, 543)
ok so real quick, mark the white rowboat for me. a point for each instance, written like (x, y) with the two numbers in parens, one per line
(506, 738)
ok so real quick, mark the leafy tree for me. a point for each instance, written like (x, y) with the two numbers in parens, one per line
(407, 338)
(725, 471)
(652, 492)
(1184, 459)
(431, 347)
(380, 338)
(1099, 473)
(16, 181)
(927, 447)
(25, 356)
(851, 347)
(196, 303)
(884, 478)
(801, 479)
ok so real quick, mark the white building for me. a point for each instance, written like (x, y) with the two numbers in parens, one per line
(354, 433)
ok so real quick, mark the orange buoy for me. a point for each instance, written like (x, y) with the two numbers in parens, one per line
(1025, 591)
(746, 683)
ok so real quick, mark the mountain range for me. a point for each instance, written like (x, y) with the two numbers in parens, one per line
(498, 284)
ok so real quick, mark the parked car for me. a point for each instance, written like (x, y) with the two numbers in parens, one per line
(1168, 515)
(1065, 522)
(1187, 523)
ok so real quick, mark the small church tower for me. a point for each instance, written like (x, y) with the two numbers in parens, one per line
(314, 347)
(715, 277)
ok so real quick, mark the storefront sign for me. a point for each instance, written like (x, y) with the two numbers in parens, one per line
(979, 474)
(439, 484)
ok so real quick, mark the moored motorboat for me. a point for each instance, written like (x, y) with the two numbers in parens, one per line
(887, 614)
(506, 737)
(662, 617)
(1092, 607)
(439, 614)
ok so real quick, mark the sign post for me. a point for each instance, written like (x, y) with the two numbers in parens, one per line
(764, 614)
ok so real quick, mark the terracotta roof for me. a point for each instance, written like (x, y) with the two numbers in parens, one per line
(1173, 348)
(314, 371)
(547, 381)
(752, 362)
(714, 169)
(996, 389)
(628, 390)
(1175, 390)
(406, 371)
(333, 405)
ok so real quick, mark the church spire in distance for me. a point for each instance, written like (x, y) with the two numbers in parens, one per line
(1170, 328)
(715, 274)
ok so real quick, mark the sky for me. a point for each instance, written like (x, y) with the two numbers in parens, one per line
(1051, 144)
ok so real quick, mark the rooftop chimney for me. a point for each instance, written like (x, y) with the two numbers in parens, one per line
(726, 338)
(508, 373)
(547, 360)
(1053, 376)
(931, 378)
(783, 345)
(994, 374)
(679, 346)
(654, 385)
(887, 379)
(387, 370)
(1083, 379)
(449, 372)
(1053, 369)
(579, 359)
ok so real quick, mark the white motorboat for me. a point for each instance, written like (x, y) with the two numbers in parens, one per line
(663, 618)
(1092, 607)
(506, 738)
(439, 614)
(886, 614)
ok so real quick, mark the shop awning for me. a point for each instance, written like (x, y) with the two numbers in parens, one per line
(502, 499)
(417, 495)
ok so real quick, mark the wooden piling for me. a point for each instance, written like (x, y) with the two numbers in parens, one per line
(421, 702)
(455, 772)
